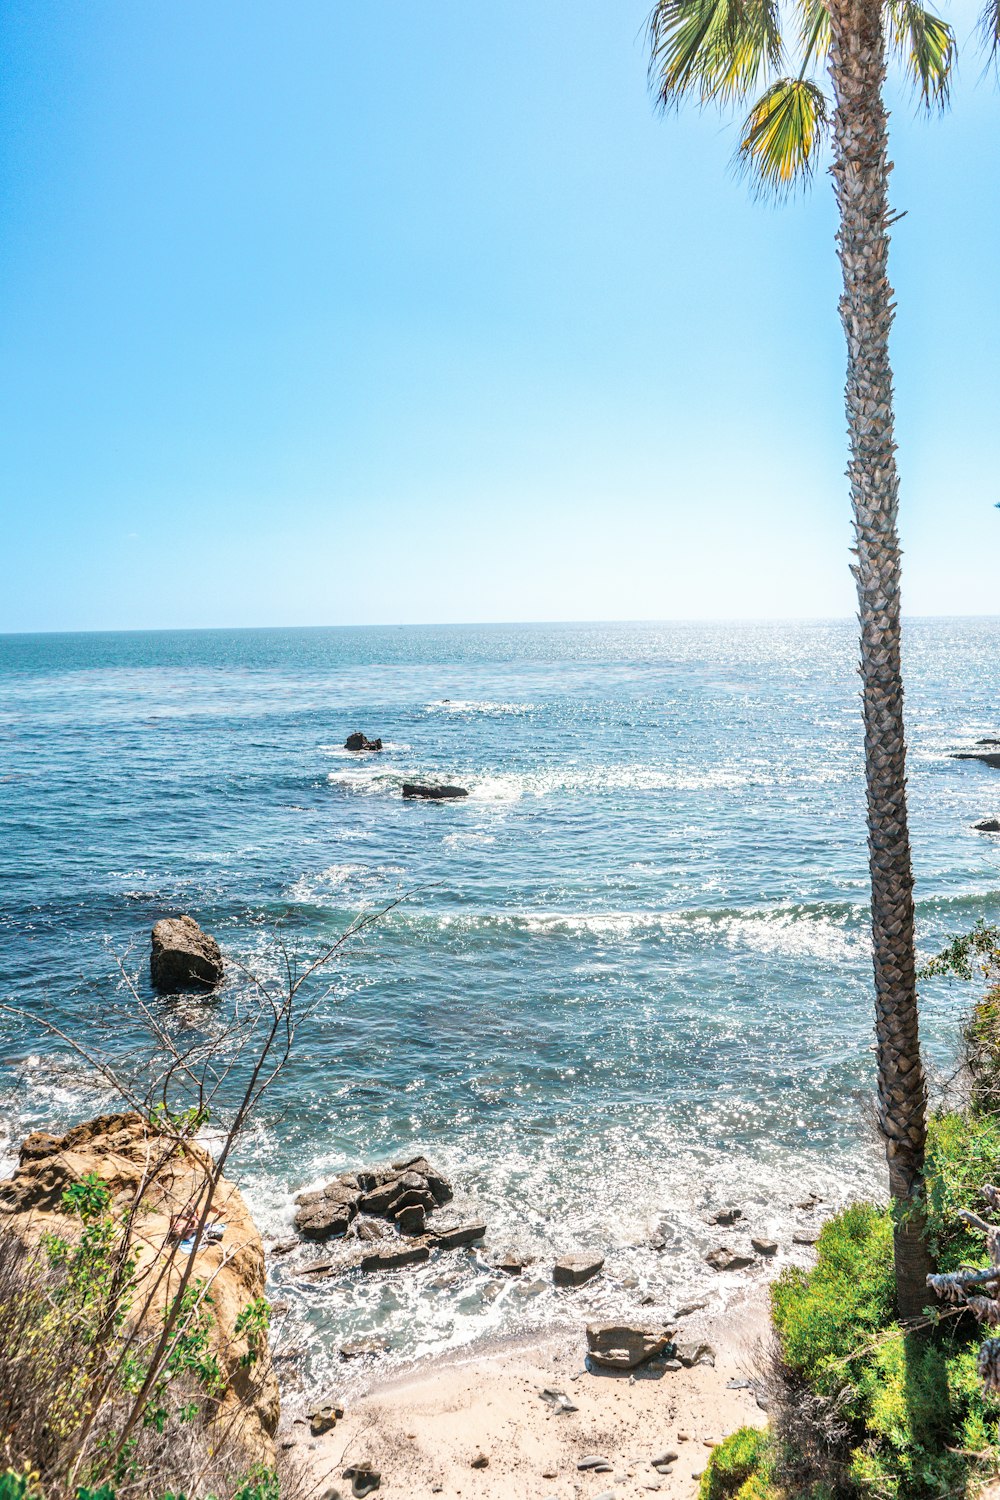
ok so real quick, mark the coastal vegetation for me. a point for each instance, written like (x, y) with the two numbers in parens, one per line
(723, 53)
(861, 1402)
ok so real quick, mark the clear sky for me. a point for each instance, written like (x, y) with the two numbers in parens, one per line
(333, 312)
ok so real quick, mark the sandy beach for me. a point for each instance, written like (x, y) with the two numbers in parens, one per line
(427, 1432)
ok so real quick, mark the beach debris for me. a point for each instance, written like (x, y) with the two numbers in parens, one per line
(358, 741)
(695, 1354)
(594, 1463)
(574, 1270)
(364, 1348)
(725, 1259)
(725, 1216)
(764, 1246)
(432, 793)
(183, 957)
(481, 1461)
(559, 1401)
(324, 1419)
(624, 1346)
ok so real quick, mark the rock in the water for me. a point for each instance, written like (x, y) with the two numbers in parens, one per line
(461, 1234)
(724, 1217)
(358, 741)
(411, 1219)
(763, 1246)
(394, 1259)
(987, 825)
(621, 1346)
(364, 1348)
(724, 1259)
(512, 1263)
(985, 757)
(327, 1213)
(433, 793)
(436, 1181)
(805, 1236)
(574, 1270)
(183, 957)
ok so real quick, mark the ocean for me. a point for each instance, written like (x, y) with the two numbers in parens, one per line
(630, 979)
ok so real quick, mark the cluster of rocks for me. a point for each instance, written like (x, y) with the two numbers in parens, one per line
(725, 1258)
(987, 752)
(388, 1209)
(358, 741)
(183, 957)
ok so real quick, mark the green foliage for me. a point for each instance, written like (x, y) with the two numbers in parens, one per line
(180, 1121)
(253, 1323)
(913, 1404)
(16, 1486)
(88, 1198)
(963, 1152)
(971, 954)
(739, 1468)
(260, 1484)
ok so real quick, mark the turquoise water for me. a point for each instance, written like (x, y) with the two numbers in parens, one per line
(632, 975)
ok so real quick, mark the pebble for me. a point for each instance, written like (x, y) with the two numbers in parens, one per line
(606, 1495)
(708, 1442)
(667, 1457)
(481, 1461)
(596, 1462)
(683, 1437)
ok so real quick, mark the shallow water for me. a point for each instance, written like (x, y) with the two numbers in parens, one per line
(631, 977)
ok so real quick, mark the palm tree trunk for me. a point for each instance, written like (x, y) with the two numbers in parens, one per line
(861, 176)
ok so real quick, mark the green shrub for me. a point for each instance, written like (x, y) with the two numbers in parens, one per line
(739, 1466)
(963, 1152)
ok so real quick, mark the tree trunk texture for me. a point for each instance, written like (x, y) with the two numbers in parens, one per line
(861, 177)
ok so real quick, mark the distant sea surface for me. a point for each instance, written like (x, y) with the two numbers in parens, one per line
(631, 978)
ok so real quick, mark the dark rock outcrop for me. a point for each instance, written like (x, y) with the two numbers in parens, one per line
(984, 756)
(358, 741)
(432, 793)
(725, 1259)
(987, 825)
(183, 957)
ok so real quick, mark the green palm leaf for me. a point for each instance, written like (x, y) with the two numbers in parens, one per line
(717, 49)
(989, 25)
(783, 133)
(927, 46)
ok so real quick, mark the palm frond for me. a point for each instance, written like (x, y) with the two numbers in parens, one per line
(989, 27)
(927, 46)
(719, 50)
(814, 34)
(782, 135)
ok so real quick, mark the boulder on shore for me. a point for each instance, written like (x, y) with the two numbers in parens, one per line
(432, 793)
(183, 957)
(620, 1346)
(358, 741)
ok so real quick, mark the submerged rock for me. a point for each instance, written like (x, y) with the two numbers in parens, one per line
(724, 1217)
(357, 741)
(432, 793)
(574, 1270)
(183, 957)
(763, 1246)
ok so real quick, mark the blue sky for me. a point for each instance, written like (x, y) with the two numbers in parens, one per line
(334, 313)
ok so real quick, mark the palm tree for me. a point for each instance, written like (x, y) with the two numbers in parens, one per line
(737, 51)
